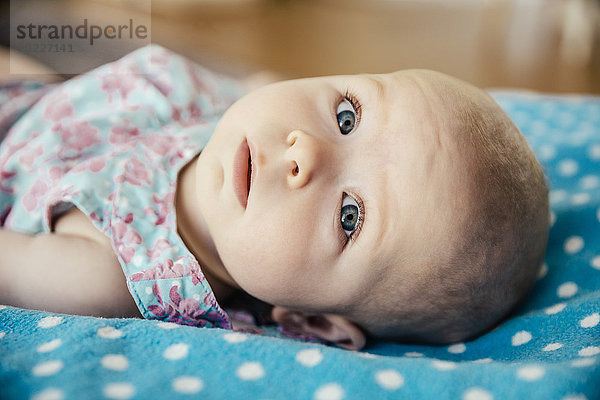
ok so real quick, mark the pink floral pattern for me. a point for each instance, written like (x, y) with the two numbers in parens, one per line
(105, 153)
(123, 133)
(117, 85)
(160, 208)
(182, 311)
(32, 196)
(58, 107)
(135, 173)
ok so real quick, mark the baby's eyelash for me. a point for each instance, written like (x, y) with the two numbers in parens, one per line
(351, 97)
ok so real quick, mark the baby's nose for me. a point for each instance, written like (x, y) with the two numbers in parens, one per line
(302, 156)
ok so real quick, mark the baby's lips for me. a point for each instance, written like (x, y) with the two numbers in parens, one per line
(240, 173)
(253, 162)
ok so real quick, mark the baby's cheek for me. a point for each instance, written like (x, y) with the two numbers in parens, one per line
(277, 280)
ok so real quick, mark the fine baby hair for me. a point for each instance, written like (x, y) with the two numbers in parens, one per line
(493, 257)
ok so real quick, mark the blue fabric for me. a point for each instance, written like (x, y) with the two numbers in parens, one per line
(550, 349)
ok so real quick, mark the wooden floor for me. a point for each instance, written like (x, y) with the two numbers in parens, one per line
(540, 45)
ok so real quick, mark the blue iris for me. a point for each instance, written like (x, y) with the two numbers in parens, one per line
(346, 120)
(349, 217)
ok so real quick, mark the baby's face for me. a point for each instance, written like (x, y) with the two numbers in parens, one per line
(351, 181)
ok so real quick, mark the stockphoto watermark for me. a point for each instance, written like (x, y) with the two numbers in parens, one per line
(83, 31)
(74, 37)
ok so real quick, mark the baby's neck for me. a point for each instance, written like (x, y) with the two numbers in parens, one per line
(194, 233)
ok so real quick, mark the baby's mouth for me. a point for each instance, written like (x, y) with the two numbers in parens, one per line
(243, 172)
(249, 175)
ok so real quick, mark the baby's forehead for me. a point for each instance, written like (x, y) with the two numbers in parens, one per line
(433, 87)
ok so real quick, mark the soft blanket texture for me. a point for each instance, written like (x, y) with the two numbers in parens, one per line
(550, 349)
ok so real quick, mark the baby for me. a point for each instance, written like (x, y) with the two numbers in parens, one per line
(404, 206)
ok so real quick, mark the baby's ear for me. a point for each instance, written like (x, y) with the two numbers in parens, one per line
(332, 328)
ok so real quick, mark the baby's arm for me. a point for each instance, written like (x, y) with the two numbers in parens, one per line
(73, 270)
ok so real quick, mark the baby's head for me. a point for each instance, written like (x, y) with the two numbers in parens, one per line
(404, 206)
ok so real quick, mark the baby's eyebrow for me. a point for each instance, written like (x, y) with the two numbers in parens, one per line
(377, 109)
(383, 225)
(378, 86)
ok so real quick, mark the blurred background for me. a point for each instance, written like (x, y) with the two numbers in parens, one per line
(544, 45)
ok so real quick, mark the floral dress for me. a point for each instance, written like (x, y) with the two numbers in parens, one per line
(111, 143)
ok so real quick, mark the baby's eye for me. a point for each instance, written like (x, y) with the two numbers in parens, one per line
(346, 116)
(350, 215)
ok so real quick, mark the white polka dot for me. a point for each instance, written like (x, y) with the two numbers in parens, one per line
(364, 354)
(589, 182)
(49, 346)
(50, 322)
(49, 394)
(196, 297)
(176, 351)
(552, 346)
(531, 373)
(538, 127)
(477, 394)
(250, 371)
(188, 384)
(148, 290)
(547, 152)
(309, 357)
(555, 309)
(595, 262)
(556, 196)
(580, 199)
(566, 119)
(552, 218)
(235, 337)
(482, 361)
(443, 365)
(329, 391)
(48, 368)
(520, 338)
(583, 362)
(594, 152)
(547, 108)
(574, 397)
(119, 390)
(543, 271)
(590, 321)
(457, 348)
(2, 334)
(589, 351)
(574, 244)
(138, 260)
(115, 362)
(108, 332)
(167, 325)
(567, 289)
(568, 167)
(413, 354)
(389, 379)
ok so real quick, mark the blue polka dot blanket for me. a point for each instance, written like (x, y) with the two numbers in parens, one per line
(549, 349)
